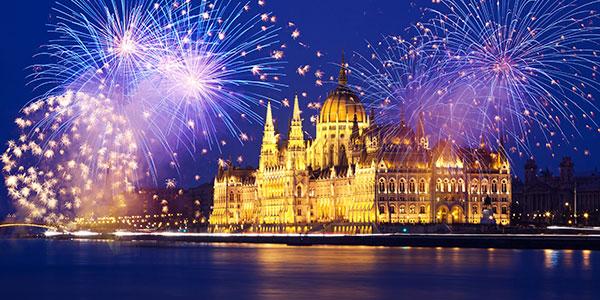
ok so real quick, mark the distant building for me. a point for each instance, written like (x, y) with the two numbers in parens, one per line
(544, 198)
(153, 209)
(357, 173)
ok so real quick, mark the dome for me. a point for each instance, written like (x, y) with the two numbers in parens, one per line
(342, 104)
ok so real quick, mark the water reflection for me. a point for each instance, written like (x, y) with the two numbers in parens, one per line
(224, 271)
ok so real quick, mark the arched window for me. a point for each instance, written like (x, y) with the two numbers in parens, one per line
(474, 187)
(447, 185)
(504, 186)
(382, 185)
(411, 209)
(299, 191)
(422, 209)
(392, 209)
(494, 186)
(411, 186)
(402, 185)
(402, 209)
(392, 188)
(438, 186)
(453, 186)
(461, 186)
(484, 187)
(231, 196)
(475, 209)
(422, 186)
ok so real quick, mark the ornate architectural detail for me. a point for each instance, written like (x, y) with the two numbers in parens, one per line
(357, 173)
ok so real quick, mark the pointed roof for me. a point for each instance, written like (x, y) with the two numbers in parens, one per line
(421, 125)
(269, 117)
(296, 113)
(343, 77)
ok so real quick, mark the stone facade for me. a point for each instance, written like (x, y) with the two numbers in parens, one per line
(356, 174)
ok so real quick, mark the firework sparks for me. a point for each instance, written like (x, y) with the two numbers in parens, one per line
(531, 65)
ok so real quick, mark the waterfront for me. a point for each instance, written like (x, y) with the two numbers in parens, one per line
(51, 269)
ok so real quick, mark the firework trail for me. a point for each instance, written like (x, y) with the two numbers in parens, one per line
(74, 165)
(219, 62)
(531, 67)
(128, 83)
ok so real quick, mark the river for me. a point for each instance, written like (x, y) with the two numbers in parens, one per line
(80, 269)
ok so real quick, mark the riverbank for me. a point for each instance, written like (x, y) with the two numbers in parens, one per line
(500, 241)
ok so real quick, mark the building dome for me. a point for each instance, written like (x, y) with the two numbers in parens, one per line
(342, 104)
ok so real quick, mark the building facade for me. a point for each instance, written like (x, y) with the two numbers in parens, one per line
(544, 198)
(356, 174)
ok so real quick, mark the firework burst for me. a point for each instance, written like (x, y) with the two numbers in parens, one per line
(530, 65)
(75, 154)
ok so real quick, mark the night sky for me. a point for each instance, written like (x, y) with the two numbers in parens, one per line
(328, 26)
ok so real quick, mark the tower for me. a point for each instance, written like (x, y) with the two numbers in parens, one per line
(296, 148)
(422, 138)
(269, 152)
(530, 171)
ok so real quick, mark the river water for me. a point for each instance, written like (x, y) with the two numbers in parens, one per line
(54, 269)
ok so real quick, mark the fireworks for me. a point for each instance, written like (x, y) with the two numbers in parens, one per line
(530, 65)
(127, 83)
(75, 154)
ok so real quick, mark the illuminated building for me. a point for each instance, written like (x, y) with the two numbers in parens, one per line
(545, 198)
(357, 173)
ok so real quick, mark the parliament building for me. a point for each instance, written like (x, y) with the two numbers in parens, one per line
(357, 175)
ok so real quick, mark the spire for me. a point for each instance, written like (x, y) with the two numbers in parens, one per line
(421, 125)
(268, 151)
(269, 118)
(422, 138)
(296, 113)
(343, 78)
(296, 134)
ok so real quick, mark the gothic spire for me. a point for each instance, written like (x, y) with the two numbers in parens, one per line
(296, 134)
(343, 78)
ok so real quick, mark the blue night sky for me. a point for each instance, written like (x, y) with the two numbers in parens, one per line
(329, 26)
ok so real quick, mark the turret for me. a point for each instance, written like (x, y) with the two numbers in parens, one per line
(566, 170)
(530, 171)
(296, 147)
(422, 138)
(268, 151)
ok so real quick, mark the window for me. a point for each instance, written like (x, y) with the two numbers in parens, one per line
(381, 209)
(402, 186)
(402, 209)
(475, 209)
(504, 187)
(411, 186)
(392, 209)
(453, 186)
(474, 187)
(495, 210)
(504, 210)
(484, 187)
(422, 209)
(411, 209)
(392, 188)
(438, 186)
(382, 185)
(299, 191)
(494, 186)
(461, 186)
(299, 212)
(422, 186)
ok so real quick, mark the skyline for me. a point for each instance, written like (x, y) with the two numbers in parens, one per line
(329, 28)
